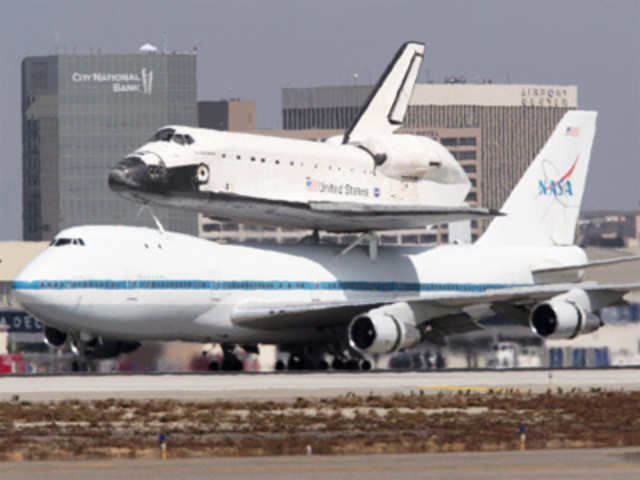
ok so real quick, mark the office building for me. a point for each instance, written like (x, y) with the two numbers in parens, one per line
(83, 113)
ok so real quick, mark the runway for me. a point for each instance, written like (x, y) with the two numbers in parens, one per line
(585, 464)
(282, 386)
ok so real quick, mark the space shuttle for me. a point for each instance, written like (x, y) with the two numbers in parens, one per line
(368, 179)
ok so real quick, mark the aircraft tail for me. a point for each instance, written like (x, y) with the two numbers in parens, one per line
(384, 110)
(543, 208)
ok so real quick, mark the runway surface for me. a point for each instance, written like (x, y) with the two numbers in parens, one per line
(584, 464)
(292, 385)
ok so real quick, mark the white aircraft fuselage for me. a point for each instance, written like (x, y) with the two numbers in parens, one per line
(291, 182)
(364, 180)
(131, 283)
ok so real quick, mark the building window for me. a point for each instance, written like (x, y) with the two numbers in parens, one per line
(469, 168)
(428, 238)
(467, 140)
(465, 155)
(449, 141)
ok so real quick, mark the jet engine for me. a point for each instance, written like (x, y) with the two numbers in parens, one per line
(384, 330)
(54, 337)
(565, 316)
(411, 156)
(89, 346)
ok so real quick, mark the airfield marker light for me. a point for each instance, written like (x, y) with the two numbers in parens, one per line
(163, 446)
(523, 437)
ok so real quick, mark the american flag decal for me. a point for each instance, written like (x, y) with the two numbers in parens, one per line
(572, 131)
(312, 185)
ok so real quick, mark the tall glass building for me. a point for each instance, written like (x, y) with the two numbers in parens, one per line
(83, 113)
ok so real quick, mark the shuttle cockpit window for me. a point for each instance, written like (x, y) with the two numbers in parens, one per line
(60, 242)
(182, 139)
(163, 135)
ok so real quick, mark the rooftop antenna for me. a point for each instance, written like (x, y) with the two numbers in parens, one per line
(164, 42)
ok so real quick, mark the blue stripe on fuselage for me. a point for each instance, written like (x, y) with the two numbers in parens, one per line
(255, 285)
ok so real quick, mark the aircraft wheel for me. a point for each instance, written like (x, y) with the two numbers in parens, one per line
(352, 364)
(323, 365)
(337, 364)
(214, 366)
(296, 362)
(365, 365)
(280, 365)
(232, 364)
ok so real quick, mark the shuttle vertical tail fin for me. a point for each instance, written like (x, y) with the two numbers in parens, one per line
(384, 110)
(543, 208)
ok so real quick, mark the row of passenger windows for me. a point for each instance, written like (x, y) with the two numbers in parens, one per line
(59, 242)
(293, 164)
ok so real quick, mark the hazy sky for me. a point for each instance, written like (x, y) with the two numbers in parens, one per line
(252, 48)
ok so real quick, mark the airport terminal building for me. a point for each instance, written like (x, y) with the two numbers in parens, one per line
(83, 113)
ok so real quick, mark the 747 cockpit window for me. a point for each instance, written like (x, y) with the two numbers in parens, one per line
(59, 242)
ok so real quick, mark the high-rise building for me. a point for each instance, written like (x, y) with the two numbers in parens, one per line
(83, 113)
(233, 115)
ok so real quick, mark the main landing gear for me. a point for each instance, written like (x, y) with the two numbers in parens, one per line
(229, 361)
(306, 357)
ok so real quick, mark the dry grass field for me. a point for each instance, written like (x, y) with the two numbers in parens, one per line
(458, 421)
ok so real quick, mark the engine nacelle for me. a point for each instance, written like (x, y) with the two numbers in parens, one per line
(53, 337)
(100, 348)
(384, 330)
(565, 316)
(414, 156)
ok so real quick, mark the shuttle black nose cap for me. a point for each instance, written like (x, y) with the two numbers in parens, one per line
(132, 174)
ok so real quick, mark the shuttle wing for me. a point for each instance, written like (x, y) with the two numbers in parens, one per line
(510, 301)
(362, 217)
(384, 110)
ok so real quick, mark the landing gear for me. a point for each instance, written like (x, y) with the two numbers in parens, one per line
(353, 364)
(304, 357)
(230, 362)
(318, 357)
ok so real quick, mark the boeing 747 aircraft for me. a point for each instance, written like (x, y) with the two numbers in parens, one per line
(104, 288)
(368, 179)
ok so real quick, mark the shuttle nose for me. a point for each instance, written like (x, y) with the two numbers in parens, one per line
(132, 174)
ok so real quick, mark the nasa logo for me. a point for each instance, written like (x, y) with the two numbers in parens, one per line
(558, 188)
(376, 192)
